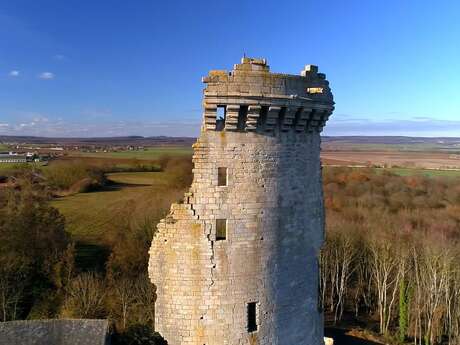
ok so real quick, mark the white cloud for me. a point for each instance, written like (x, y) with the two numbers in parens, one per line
(59, 57)
(46, 75)
(14, 73)
(4, 125)
(341, 124)
(57, 127)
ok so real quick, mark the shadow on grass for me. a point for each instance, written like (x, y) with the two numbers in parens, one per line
(341, 338)
(117, 186)
(91, 257)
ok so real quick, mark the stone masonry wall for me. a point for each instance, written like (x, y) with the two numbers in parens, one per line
(273, 208)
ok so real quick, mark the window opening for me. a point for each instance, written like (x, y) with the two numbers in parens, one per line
(281, 117)
(220, 117)
(297, 117)
(221, 229)
(252, 317)
(262, 120)
(242, 117)
(221, 176)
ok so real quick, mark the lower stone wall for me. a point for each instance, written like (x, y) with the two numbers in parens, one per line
(54, 332)
(272, 206)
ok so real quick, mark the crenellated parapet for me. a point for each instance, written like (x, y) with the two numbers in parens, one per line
(250, 98)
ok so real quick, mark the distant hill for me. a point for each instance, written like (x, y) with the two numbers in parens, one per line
(183, 141)
(125, 141)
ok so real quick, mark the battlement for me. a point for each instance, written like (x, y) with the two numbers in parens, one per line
(253, 99)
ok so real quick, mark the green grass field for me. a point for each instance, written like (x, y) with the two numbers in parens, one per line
(148, 154)
(129, 199)
(90, 217)
(8, 166)
(14, 166)
(137, 178)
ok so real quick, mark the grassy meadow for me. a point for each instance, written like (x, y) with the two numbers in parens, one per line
(147, 154)
(8, 166)
(123, 193)
(89, 215)
(5, 167)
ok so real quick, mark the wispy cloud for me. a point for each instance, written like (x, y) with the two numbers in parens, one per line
(14, 73)
(101, 122)
(59, 57)
(57, 127)
(416, 126)
(46, 75)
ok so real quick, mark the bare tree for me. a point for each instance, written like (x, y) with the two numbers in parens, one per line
(124, 299)
(11, 289)
(85, 297)
(145, 300)
(385, 274)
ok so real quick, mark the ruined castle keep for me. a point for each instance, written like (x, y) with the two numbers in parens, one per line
(237, 261)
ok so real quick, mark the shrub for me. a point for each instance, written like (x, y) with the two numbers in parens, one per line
(63, 175)
(139, 335)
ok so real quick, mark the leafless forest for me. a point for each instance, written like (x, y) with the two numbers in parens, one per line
(392, 254)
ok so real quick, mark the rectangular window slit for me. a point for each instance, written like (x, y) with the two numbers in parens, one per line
(221, 176)
(281, 117)
(297, 117)
(220, 117)
(262, 120)
(221, 229)
(242, 117)
(252, 317)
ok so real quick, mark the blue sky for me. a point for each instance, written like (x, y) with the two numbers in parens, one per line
(104, 68)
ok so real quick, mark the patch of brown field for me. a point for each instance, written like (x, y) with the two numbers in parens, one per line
(332, 161)
(430, 160)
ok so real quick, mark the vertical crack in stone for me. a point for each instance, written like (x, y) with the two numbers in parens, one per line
(212, 259)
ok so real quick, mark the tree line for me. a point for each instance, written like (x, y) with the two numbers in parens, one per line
(392, 254)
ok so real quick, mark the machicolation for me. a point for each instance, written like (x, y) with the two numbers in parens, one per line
(237, 262)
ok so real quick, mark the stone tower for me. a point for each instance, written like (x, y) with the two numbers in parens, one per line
(237, 262)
